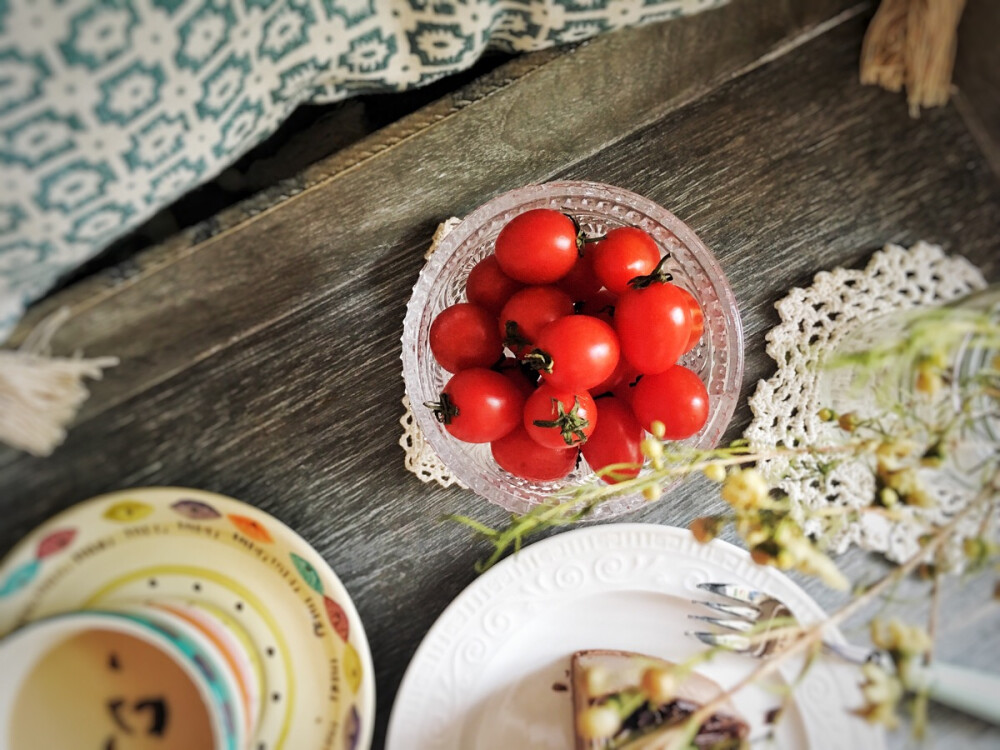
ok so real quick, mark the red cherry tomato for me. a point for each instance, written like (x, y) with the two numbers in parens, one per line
(626, 386)
(623, 374)
(623, 254)
(601, 305)
(617, 440)
(581, 282)
(697, 321)
(538, 246)
(479, 406)
(676, 397)
(517, 453)
(576, 353)
(559, 419)
(489, 287)
(464, 336)
(528, 312)
(653, 324)
(519, 374)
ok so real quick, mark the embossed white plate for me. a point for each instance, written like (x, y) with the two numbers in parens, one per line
(488, 673)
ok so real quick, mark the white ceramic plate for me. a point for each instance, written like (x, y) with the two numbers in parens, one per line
(486, 674)
(318, 684)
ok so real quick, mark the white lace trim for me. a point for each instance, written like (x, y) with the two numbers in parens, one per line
(786, 406)
(420, 457)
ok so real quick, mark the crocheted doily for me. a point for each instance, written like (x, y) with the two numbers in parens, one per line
(420, 457)
(786, 406)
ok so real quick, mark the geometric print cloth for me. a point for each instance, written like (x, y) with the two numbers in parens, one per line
(111, 109)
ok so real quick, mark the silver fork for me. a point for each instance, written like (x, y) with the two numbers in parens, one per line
(746, 610)
(750, 610)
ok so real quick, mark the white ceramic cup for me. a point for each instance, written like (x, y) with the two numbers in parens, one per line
(139, 677)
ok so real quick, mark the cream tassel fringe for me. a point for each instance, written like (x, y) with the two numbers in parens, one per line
(912, 43)
(40, 394)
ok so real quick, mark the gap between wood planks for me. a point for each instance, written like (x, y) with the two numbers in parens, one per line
(386, 140)
(79, 299)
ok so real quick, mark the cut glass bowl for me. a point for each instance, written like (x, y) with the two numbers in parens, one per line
(717, 359)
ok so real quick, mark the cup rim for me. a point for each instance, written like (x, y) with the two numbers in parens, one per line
(204, 622)
(24, 647)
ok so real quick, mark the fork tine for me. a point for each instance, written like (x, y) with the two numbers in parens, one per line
(730, 641)
(738, 593)
(734, 610)
(740, 625)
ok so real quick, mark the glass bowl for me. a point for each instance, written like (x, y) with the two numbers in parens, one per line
(718, 358)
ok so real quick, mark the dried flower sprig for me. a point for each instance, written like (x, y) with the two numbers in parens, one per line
(917, 428)
(887, 688)
(928, 406)
(764, 518)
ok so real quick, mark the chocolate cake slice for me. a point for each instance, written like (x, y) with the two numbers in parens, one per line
(613, 678)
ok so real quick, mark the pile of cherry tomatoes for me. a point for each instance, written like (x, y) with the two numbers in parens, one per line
(569, 345)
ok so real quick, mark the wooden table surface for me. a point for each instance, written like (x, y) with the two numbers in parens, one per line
(260, 352)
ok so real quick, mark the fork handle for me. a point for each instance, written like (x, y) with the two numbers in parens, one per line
(968, 690)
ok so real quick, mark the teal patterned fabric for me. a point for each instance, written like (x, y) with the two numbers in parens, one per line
(111, 109)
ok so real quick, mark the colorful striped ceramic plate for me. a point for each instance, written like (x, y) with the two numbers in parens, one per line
(265, 582)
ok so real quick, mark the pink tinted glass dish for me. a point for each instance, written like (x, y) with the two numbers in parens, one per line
(718, 358)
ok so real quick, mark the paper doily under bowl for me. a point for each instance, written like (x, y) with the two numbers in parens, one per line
(718, 358)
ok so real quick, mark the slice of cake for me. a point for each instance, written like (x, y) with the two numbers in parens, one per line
(614, 680)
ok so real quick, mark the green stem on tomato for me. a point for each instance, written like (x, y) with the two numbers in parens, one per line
(569, 423)
(538, 360)
(444, 409)
(657, 276)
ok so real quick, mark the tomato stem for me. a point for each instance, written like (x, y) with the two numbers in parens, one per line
(444, 409)
(581, 238)
(569, 423)
(539, 360)
(658, 275)
(513, 338)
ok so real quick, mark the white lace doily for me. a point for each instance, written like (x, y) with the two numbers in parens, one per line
(786, 406)
(420, 457)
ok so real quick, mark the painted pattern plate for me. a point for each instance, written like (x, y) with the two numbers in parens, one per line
(305, 636)
(492, 672)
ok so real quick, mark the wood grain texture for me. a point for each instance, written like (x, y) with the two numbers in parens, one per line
(389, 192)
(265, 363)
(977, 75)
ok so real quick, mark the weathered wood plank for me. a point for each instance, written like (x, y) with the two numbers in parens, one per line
(175, 305)
(791, 169)
(977, 75)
